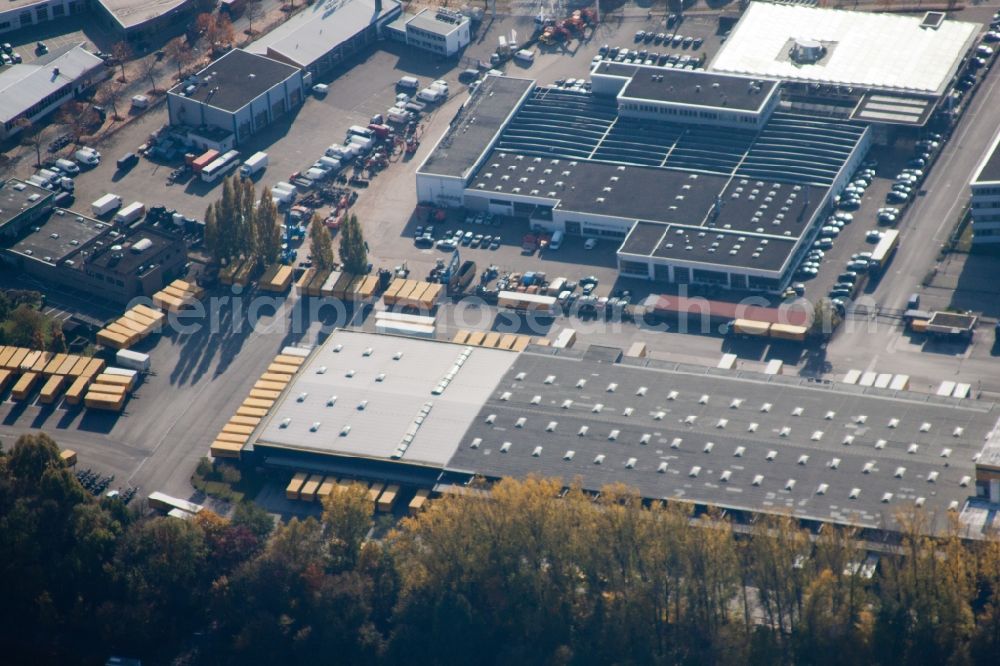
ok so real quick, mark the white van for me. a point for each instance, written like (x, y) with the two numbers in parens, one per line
(67, 166)
(358, 130)
(557, 239)
(140, 102)
(526, 56)
(87, 156)
(408, 83)
(431, 95)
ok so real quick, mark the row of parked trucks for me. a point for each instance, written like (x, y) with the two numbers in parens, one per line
(307, 487)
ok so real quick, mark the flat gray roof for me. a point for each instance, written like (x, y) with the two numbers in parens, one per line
(63, 234)
(235, 80)
(475, 126)
(441, 22)
(705, 436)
(393, 404)
(17, 196)
(315, 31)
(695, 87)
(130, 13)
(989, 168)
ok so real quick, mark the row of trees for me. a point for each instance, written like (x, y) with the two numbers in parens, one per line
(521, 576)
(23, 325)
(239, 226)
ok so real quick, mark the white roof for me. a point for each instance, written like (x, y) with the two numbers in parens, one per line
(884, 51)
(394, 402)
(313, 32)
(23, 86)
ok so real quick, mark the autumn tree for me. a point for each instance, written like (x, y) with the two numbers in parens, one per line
(79, 117)
(31, 137)
(57, 339)
(321, 245)
(268, 228)
(179, 51)
(353, 248)
(121, 51)
(110, 93)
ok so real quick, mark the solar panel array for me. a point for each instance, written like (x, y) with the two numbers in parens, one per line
(575, 125)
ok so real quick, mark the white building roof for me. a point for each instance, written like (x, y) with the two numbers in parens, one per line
(23, 86)
(884, 51)
(316, 30)
(380, 397)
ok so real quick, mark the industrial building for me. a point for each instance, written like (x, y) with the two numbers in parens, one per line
(328, 33)
(21, 205)
(433, 414)
(93, 257)
(37, 89)
(880, 68)
(137, 21)
(234, 98)
(985, 202)
(699, 177)
(439, 31)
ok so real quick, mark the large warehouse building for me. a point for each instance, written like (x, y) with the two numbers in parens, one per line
(879, 68)
(699, 176)
(985, 203)
(328, 33)
(234, 98)
(413, 411)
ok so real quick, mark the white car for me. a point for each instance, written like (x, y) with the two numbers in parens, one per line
(88, 156)
(590, 244)
(320, 89)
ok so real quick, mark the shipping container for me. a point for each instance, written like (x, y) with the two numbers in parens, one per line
(309, 488)
(76, 390)
(163, 502)
(130, 213)
(133, 360)
(420, 320)
(106, 204)
(537, 303)
(565, 339)
(22, 389)
(637, 350)
(387, 499)
(50, 390)
(204, 160)
(388, 327)
(419, 500)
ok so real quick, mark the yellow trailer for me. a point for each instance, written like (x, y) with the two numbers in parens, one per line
(260, 404)
(68, 456)
(276, 378)
(326, 488)
(30, 359)
(286, 359)
(265, 395)
(43, 362)
(14, 362)
(461, 337)
(5, 354)
(237, 429)
(282, 369)
(79, 366)
(476, 338)
(789, 332)
(22, 389)
(67, 365)
(112, 339)
(270, 386)
(507, 342)
(105, 402)
(374, 491)
(295, 485)
(116, 380)
(245, 420)
(5, 376)
(419, 500)
(751, 327)
(251, 412)
(147, 311)
(76, 390)
(96, 366)
(388, 498)
(309, 488)
(491, 340)
(230, 437)
(305, 279)
(225, 450)
(50, 391)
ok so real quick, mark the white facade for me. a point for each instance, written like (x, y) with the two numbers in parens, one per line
(439, 31)
(985, 202)
(25, 14)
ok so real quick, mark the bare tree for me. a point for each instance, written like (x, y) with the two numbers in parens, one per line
(110, 93)
(253, 10)
(178, 50)
(79, 117)
(150, 67)
(31, 137)
(224, 33)
(122, 52)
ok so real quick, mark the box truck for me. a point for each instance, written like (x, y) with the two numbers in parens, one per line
(133, 360)
(130, 213)
(106, 204)
(408, 83)
(254, 165)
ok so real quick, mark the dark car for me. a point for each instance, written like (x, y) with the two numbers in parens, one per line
(127, 161)
(41, 48)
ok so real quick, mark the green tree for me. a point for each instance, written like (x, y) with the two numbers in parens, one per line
(212, 233)
(347, 519)
(268, 229)
(353, 251)
(27, 327)
(321, 245)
